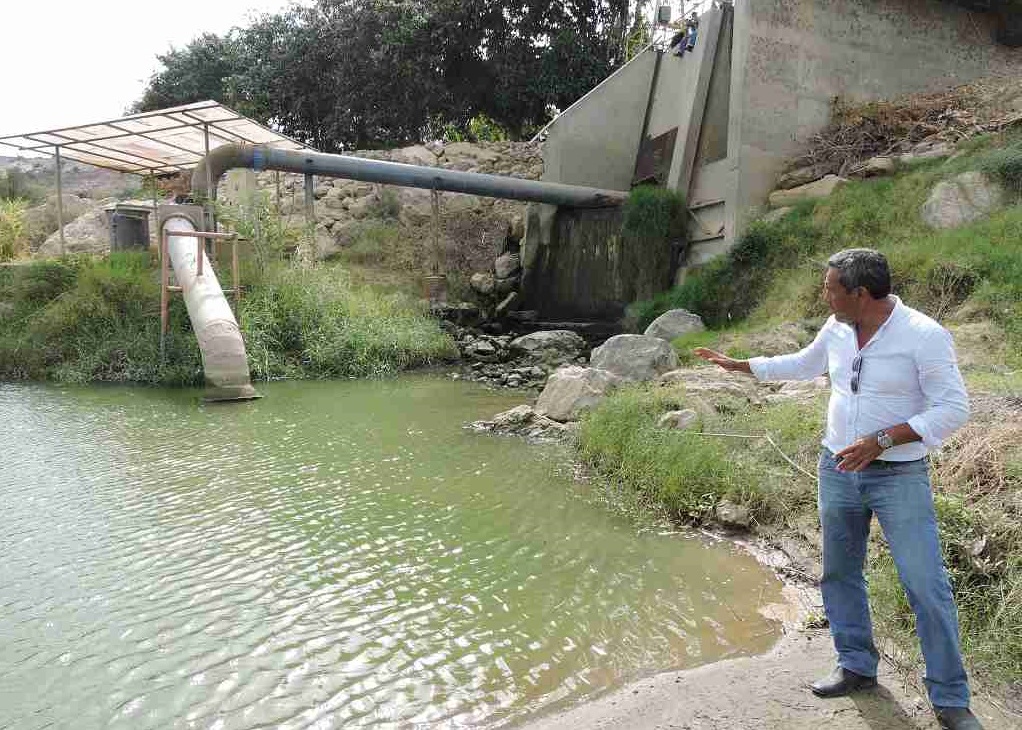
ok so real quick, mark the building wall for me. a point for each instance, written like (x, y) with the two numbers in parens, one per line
(595, 141)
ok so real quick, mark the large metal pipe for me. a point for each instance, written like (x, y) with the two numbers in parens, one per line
(264, 157)
(223, 349)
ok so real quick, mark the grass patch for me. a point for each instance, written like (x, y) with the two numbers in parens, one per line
(83, 320)
(683, 475)
(315, 323)
(688, 474)
(774, 272)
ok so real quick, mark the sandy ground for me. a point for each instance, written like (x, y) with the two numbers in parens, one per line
(766, 692)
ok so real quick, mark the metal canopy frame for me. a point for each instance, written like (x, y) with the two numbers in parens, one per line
(161, 142)
(158, 142)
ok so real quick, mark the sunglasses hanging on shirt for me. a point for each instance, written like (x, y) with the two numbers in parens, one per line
(856, 373)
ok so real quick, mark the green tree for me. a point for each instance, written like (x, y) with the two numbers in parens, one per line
(199, 71)
(369, 73)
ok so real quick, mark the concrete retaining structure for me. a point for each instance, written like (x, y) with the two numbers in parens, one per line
(757, 87)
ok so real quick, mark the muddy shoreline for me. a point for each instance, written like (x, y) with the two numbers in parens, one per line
(768, 691)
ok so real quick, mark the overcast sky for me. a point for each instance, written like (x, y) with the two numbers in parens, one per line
(67, 63)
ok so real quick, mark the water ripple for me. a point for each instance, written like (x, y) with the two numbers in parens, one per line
(335, 555)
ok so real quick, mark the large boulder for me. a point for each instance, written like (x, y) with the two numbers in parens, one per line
(572, 390)
(550, 346)
(635, 357)
(675, 323)
(89, 233)
(963, 199)
(41, 220)
(813, 191)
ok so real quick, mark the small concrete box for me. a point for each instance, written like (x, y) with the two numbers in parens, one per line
(129, 226)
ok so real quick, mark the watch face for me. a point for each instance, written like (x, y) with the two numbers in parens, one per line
(884, 440)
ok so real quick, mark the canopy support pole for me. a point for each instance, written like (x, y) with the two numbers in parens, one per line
(60, 203)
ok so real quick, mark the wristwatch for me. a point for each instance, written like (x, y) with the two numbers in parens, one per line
(884, 440)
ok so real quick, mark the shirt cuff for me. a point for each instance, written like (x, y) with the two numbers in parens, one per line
(919, 425)
(759, 368)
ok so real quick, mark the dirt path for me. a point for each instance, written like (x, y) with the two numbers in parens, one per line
(767, 692)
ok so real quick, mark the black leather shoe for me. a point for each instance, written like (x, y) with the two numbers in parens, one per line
(841, 682)
(956, 718)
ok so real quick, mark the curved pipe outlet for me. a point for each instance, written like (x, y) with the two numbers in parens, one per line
(264, 157)
(223, 349)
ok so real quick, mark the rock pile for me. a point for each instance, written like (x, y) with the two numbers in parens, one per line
(573, 389)
(517, 362)
(472, 227)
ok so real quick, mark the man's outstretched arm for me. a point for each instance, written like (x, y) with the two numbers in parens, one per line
(728, 363)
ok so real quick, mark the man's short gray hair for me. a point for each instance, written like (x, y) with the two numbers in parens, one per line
(862, 267)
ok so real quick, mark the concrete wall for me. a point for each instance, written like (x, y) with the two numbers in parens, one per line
(792, 57)
(596, 140)
(771, 88)
(680, 95)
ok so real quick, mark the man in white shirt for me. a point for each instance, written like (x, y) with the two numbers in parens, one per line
(896, 392)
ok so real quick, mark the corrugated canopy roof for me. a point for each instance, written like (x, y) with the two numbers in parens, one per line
(163, 141)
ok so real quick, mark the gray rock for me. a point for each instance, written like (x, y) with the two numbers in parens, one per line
(89, 233)
(514, 417)
(507, 265)
(41, 220)
(813, 191)
(965, 198)
(482, 283)
(675, 323)
(733, 515)
(799, 390)
(679, 420)
(876, 166)
(802, 175)
(932, 149)
(549, 346)
(523, 421)
(706, 380)
(635, 357)
(573, 390)
(483, 350)
(415, 155)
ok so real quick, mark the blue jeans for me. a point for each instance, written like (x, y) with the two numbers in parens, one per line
(899, 495)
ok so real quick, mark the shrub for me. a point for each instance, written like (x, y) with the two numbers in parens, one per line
(483, 129)
(652, 233)
(13, 237)
(1005, 165)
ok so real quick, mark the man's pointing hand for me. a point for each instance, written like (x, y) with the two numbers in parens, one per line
(728, 363)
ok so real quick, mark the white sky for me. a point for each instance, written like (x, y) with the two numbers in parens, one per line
(66, 63)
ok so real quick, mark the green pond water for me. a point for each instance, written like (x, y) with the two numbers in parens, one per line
(337, 554)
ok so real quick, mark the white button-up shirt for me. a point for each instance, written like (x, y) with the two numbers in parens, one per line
(909, 374)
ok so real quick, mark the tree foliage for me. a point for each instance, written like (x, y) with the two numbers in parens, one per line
(366, 73)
